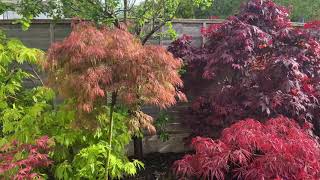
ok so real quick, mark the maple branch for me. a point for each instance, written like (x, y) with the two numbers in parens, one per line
(74, 9)
(128, 9)
(111, 15)
(155, 29)
(105, 13)
(37, 75)
(125, 11)
(139, 28)
(132, 5)
(13, 70)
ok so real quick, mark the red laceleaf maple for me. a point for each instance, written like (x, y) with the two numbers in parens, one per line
(92, 62)
(278, 149)
(36, 156)
(260, 66)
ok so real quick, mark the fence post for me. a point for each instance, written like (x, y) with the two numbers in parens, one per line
(204, 25)
(160, 36)
(51, 30)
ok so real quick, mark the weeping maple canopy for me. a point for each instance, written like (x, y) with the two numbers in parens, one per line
(278, 149)
(94, 61)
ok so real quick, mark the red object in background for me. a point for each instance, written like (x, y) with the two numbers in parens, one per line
(312, 25)
(206, 31)
(214, 17)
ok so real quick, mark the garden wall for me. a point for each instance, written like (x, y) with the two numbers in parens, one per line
(44, 32)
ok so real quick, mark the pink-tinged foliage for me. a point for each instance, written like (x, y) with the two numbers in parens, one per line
(214, 17)
(33, 157)
(93, 62)
(207, 31)
(312, 25)
(277, 149)
(260, 66)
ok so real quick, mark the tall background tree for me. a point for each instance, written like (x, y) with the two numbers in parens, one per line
(143, 19)
(301, 10)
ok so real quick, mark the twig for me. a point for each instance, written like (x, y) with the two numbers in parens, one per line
(149, 35)
(37, 75)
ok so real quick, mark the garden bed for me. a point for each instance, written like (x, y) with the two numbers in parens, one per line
(158, 166)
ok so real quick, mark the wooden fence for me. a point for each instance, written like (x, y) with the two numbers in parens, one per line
(44, 32)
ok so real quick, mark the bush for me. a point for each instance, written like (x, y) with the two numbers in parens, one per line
(20, 161)
(259, 65)
(278, 149)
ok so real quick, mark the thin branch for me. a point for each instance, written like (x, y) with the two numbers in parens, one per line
(13, 70)
(74, 9)
(129, 9)
(139, 28)
(105, 12)
(12, 97)
(37, 75)
(149, 35)
(132, 5)
(125, 12)
(33, 81)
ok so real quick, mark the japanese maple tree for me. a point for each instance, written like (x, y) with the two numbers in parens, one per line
(94, 65)
(277, 149)
(260, 66)
(19, 161)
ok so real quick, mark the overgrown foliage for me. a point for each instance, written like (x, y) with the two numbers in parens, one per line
(300, 10)
(260, 66)
(81, 153)
(19, 108)
(278, 149)
(17, 111)
(28, 114)
(161, 125)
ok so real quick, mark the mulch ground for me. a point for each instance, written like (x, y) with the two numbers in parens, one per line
(157, 166)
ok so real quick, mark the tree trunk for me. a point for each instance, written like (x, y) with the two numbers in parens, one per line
(138, 148)
(125, 11)
(316, 127)
(113, 103)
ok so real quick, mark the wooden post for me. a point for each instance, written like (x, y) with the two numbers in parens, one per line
(204, 25)
(125, 11)
(160, 37)
(51, 31)
(138, 147)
